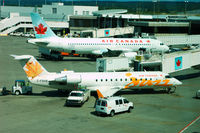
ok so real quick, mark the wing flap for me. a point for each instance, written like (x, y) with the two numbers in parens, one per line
(107, 91)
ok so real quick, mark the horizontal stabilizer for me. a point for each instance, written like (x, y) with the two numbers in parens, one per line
(21, 57)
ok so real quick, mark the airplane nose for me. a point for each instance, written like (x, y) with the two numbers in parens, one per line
(166, 49)
(178, 82)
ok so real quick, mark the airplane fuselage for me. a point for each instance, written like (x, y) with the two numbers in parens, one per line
(95, 80)
(98, 46)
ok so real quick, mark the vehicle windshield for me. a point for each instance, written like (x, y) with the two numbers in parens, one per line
(76, 94)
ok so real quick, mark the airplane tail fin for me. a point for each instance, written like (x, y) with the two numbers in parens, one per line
(31, 66)
(41, 29)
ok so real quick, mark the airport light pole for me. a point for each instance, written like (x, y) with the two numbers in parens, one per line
(186, 7)
(0, 9)
(154, 6)
(18, 2)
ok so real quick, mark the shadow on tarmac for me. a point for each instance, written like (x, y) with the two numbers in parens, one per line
(55, 93)
(187, 76)
(66, 59)
(141, 91)
(52, 93)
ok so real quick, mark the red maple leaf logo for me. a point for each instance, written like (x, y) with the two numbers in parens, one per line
(40, 29)
(148, 41)
(178, 63)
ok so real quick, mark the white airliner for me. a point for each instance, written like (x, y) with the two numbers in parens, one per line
(46, 38)
(107, 83)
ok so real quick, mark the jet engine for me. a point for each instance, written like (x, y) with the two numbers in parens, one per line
(129, 54)
(73, 79)
(70, 79)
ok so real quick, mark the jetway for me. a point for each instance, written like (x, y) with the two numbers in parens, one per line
(180, 60)
(170, 62)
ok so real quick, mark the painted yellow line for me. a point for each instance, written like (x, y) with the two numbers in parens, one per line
(3, 34)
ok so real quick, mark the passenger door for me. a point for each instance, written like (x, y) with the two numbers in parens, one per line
(119, 105)
(125, 104)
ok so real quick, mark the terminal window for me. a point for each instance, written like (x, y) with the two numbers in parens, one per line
(54, 10)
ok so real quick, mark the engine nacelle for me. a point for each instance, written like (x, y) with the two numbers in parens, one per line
(73, 78)
(129, 54)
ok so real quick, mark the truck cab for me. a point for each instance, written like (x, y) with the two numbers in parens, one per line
(78, 97)
(21, 87)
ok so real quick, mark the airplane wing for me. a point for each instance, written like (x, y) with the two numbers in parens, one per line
(108, 90)
(42, 43)
(100, 52)
(120, 49)
(111, 50)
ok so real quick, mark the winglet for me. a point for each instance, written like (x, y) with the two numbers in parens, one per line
(100, 95)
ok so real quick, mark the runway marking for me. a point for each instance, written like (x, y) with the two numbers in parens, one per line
(192, 122)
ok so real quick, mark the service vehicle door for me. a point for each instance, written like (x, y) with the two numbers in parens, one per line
(119, 105)
(101, 106)
(126, 104)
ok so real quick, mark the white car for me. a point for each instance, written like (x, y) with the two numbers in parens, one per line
(112, 105)
(78, 97)
(198, 94)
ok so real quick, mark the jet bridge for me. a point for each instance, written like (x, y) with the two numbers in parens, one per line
(172, 62)
(181, 60)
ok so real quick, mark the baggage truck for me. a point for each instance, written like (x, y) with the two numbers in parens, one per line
(110, 64)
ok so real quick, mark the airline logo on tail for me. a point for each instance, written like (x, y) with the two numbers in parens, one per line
(40, 29)
(33, 68)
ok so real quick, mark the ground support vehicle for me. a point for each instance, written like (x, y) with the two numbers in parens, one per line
(21, 87)
(112, 105)
(78, 97)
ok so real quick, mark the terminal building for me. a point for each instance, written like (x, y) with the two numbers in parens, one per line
(88, 21)
(16, 18)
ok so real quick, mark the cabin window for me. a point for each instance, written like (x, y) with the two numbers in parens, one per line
(96, 80)
(120, 101)
(54, 10)
(145, 78)
(115, 79)
(101, 80)
(135, 79)
(120, 79)
(141, 79)
(106, 79)
(131, 79)
(125, 79)
(116, 102)
(110, 79)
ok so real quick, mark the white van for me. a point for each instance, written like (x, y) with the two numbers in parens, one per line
(112, 105)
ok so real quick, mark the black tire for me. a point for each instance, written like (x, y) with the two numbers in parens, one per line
(112, 113)
(87, 99)
(17, 93)
(130, 109)
(29, 92)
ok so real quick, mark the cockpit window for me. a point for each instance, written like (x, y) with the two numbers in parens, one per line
(161, 43)
(167, 76)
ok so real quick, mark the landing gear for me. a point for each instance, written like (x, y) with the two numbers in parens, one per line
(171, 90)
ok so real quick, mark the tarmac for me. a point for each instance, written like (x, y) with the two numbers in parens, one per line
(44, 111)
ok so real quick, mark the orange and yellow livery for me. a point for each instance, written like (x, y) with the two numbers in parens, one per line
(33, 69)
